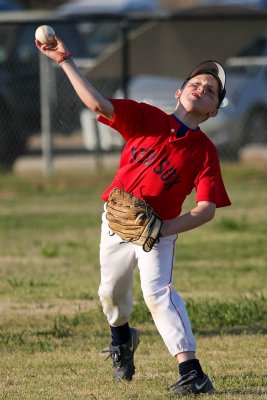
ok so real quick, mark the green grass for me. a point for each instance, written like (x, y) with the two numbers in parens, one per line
(52, 328)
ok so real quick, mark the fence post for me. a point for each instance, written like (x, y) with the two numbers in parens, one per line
(125, 56)
(45, 95)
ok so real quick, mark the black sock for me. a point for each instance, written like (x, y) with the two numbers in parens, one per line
(120, 334)
(190, 365)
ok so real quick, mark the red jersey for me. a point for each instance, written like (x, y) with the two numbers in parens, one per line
(159, 167)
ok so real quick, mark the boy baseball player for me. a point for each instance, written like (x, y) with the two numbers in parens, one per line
(165, 157)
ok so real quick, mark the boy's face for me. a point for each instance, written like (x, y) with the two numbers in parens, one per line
(200, 95)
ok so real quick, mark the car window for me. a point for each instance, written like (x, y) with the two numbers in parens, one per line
(245, 70)
(7, 36)
(26, 50)
(99, 36)
(71, 35)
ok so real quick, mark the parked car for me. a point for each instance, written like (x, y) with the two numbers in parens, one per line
(242, 119)
(20, 87)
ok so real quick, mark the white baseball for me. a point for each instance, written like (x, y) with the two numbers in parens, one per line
(45, 34)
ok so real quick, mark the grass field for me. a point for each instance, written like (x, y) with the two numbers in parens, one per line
(52, 329)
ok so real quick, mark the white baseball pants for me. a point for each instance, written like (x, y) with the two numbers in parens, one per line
(118, 261)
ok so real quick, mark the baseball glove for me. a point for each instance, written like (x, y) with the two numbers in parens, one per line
(133, 219)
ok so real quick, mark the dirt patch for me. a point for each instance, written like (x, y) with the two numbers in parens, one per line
(66, 163)
(56, 307)
(254, 156)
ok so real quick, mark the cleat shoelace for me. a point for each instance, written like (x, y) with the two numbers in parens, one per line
(115, 355)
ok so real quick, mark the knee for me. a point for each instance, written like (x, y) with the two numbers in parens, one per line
(154, 299)
(113, 296)
(107, 296)
(116, 310)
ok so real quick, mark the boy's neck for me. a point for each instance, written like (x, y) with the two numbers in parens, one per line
(188, 118)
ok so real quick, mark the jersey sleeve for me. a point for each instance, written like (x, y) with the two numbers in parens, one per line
(127, 114)
(209, 184)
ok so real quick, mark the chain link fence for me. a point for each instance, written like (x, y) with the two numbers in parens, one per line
(40, 114)
(39, 110)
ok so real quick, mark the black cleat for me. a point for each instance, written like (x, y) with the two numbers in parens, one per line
(123, 357)
(191, 384)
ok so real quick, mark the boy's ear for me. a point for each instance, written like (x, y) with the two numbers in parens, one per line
(213, 113)
(178, 93)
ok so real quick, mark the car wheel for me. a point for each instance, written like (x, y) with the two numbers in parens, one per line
(256, 127)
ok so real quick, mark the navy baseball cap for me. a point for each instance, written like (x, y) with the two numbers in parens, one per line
(213, 68)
